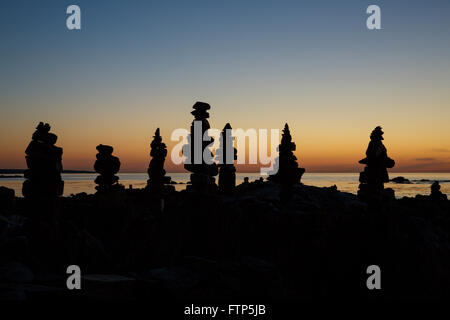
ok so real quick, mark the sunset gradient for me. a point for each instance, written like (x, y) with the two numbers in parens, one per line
(139, 65)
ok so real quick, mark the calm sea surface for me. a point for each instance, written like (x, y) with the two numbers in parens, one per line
(348, 182)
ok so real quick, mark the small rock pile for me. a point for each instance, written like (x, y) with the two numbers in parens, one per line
(44, 162)
(107, 166)
(288, 172)
(375, 173)
(156, 173)
(436, 193)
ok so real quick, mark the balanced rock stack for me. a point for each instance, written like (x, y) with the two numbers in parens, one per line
(375, 173)
(288, 172)
(156, 172)
(44, 162)
(436, 193)
(199, 161)
(226, 155)
(107, 166)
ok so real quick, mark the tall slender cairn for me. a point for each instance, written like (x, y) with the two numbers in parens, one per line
(375, 173)
(156, 172)
(199, 159)
(288, 172)
(107, 166)
(225, 155)
(44, 162)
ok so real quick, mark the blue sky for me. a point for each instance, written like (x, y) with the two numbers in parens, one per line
(259, 64)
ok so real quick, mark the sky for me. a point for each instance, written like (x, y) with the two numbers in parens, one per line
(138, 65)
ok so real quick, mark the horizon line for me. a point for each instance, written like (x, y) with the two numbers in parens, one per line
(185, 171)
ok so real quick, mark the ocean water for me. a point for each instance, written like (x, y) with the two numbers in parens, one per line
(347, 182)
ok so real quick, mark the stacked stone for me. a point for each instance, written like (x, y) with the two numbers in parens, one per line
(375, 173)
(44, 162)
(199, 159)
(225, 156)
(288, 172)
(156, 172)
(107, 166)
(436, 193)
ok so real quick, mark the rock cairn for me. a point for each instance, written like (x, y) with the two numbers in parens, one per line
(107, 166)
(44, 163)
(436, 193)
(375, 173)
(156, 172)
(225, 155)
(199, 159)
(288, 172)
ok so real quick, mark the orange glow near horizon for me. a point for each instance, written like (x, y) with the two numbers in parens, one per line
(338, 152)
(331, 131)
(315, 66)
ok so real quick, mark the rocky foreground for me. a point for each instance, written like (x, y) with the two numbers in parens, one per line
(131, 245)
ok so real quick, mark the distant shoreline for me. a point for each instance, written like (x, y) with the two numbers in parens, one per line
(391, 173)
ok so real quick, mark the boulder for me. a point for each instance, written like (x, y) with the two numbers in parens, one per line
(401, 180)
(15, 272)
(108, 286)
(7, 199)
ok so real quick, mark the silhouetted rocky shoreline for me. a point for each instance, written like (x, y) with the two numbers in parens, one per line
(275, 239)
(318, 243)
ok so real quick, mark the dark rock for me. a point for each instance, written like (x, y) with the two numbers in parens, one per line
(200, 278)
(15, 248)
(108, 286)
(157, 174)
(375, 173)
(15, 272)
(105, 150)
(203, 170)
(436, 193)
(225, 155)
(85, 250)
(12, 293)
(44, 162)
(401, 180)
(107, 166)
(176, 279)
(36, 292)
(288, 172)
(7, 199)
